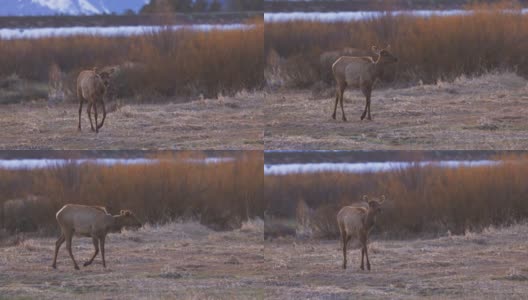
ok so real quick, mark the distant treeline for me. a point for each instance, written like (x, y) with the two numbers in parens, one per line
(127, 20)
(369, 5)
(163, 6)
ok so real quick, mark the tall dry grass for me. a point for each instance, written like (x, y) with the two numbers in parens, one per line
(421, 200)
(492, 37)
(171, 63)
(218, 195)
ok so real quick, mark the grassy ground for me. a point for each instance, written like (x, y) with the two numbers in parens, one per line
(490, 265)
(228, 123)
(180, 260)
(486, 112)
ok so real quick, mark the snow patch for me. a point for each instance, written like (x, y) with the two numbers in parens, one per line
(33, 33)
(368, 167)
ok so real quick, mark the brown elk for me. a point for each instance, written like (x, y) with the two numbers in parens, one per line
(360, 72)
(357, 221)
(91, 88)
(90, 221)
(328, 58)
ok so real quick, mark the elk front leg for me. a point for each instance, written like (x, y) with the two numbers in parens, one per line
(362, 254)
(341, 100)
(95, 242)
(102, 242)
(80, 111)
(366, 89)
(368, 104)
(69, 247)
(89, 111)
(95, 114)
(366, 254)
(344, 240)
(104, 115)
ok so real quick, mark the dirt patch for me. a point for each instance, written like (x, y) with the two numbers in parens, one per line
(487, 112)
(183, 261)
(225, 123)
(442, 268)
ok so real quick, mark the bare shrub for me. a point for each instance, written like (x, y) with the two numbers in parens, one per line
(175, 63)
(25, 214)
(424, 200)
(429, 49)
(221, 195)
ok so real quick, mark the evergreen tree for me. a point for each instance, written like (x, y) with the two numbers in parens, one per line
(181, 6)
(200, 5)
(215, 6)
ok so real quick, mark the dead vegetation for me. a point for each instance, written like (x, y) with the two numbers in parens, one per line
(220, 195)
(488, 265)
(225, 123)
(429, 49)
(183, 63)
(485, 112)
(176, 260)
(424, 201)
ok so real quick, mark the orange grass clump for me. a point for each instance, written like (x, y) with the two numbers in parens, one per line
(220, 195)
(432, 200)
(491, 37)
(174, 63)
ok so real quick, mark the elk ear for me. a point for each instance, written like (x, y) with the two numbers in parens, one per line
(388, 47)
(365, 198)
(375, 49)
(122, 212)
(382, 199)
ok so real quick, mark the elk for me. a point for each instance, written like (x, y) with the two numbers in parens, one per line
(357, 221)
(91, 88)
(360, 72)
(90, 221)
(327, 59)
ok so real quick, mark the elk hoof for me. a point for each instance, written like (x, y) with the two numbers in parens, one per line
(77, 267)
(54, 266)
(86, 264)
(362, 268)
(333, 116)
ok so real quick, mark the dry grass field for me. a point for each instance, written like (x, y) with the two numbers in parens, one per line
(488, 265)
(178, 260)
(486, 112)
(227, 123)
